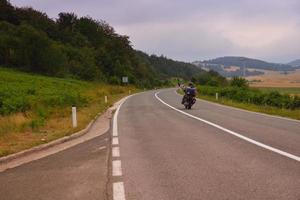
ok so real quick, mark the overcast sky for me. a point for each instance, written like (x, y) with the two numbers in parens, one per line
(192, 30)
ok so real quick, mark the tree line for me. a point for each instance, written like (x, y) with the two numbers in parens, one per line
(79, 47)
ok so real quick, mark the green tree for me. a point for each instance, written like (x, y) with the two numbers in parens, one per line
(239, 82)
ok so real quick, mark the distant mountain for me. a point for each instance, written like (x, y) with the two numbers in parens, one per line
(248, 63)
(295, 63)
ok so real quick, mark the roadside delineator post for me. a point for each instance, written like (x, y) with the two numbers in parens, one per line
(74, 117)
(217, 96)
(105, 99)
(129, 92)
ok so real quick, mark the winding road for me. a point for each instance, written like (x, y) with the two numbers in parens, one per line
(159, 151)
(209, 152)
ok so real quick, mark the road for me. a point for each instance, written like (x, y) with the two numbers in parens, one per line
(166, 154)
(159, 151)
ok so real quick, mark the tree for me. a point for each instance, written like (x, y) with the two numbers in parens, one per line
(239, 82)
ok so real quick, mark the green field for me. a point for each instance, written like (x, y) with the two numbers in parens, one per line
(293, 91)
(293, 114)
(36, 109)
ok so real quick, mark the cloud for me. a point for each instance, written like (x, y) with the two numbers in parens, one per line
(196, 29)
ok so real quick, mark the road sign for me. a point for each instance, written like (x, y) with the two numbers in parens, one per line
(125, 79)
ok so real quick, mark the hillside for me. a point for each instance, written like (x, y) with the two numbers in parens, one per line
(36, 109)
(78, 47)
(249, 63)
(295, 63)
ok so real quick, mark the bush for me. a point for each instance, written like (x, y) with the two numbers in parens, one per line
(244, 94)
(239, 82)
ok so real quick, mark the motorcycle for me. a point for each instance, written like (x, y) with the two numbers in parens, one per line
(188, 101)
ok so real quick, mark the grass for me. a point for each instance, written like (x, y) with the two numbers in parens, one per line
(294, 114)
(293, 91)
(37, 109)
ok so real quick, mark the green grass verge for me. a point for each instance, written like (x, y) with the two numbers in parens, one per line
(293, 114)
(295, 91)
(36, 109)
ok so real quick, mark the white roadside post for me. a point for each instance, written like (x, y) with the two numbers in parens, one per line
(74, 117)
(217, 96)
(105, 99)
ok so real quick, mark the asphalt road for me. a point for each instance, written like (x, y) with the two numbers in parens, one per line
(161, 154)
(168, 155)
(78, 173)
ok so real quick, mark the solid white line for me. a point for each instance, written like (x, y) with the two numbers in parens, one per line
(243, 110)
(115, 120)
(118, 191)
(116, 168)
(232, 132)
(115, 141)
(116, 152)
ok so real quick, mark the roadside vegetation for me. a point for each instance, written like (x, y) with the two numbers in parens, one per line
(237, 93)
(47, 65)
(286, 90)
(81, 48)
(37, 109)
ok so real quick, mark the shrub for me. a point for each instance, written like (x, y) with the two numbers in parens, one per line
(245, 94)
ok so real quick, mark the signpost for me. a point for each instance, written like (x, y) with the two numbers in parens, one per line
(125, 79)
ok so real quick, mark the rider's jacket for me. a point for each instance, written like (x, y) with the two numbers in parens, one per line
(190, 91)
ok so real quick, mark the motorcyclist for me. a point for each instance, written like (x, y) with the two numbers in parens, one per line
(190, 90)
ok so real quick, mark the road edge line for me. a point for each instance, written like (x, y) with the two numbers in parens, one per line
(42, 147)
(244, 110)
(118, 188)
(283, 153)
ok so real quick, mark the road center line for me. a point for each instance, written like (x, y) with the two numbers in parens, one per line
(115, 141)
(291, 156)
(116, 168)
(116, 152)
(118, 187)
(118, 191)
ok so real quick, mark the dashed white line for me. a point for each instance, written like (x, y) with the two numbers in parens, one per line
(115, 141)
(116, 152)
(118, 191)
(118, 187)
(116, 168)
(291, 156)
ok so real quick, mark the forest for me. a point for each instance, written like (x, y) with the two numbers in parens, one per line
(81, 48)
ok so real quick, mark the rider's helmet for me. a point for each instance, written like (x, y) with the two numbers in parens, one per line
(191, 84)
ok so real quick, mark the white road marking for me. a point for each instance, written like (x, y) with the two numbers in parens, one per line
(116, 168)
(291, 156)
(115, 120)
(101, 148)
(118, 191)
(115, 141)
(115, 123)
(243, 110)
(116, 152)
(118, 187)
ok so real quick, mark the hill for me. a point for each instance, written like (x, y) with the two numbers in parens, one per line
(78, 47)
(295, 63)
(249, 63)
(35, 109)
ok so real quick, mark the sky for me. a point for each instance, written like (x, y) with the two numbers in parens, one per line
(190, 30)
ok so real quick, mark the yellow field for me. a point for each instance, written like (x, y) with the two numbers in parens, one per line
(276, 79)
